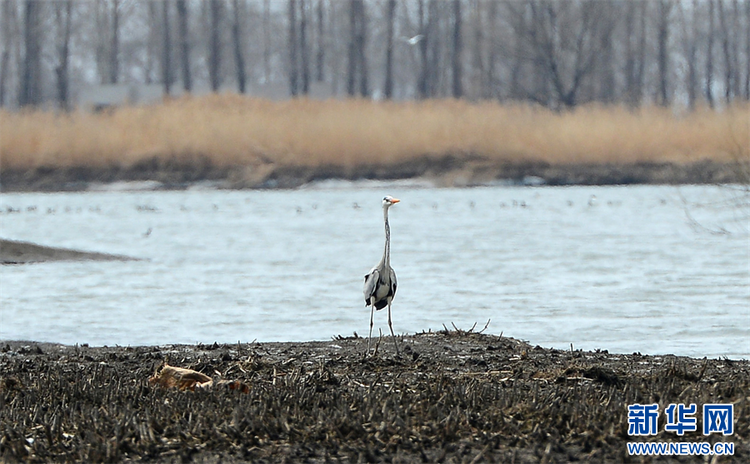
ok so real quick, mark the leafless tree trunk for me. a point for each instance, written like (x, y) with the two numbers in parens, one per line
(690, 33)
(351, 66)
(114, 52)
(266, 41)
(7, 37)
(320, 54)
(293, 54)
(736, 37)
(457, 51)
(214, 58)
(303, 48)
(357, 64)
(364, 85)
(726, 48)
(492, 59)
(153, 42)
(710, 56)
(518, 24)
(606, 56)
(239, 58)
(182, 19)
(640, 74)
(478, 83)
(424, 40)
(166, 62)
(63, 15)
(665, 7)
(101, 22)
(31, 82)
(390, 16)
(629, 69)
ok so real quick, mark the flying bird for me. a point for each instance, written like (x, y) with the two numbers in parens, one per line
(413, 40)
(380, 282)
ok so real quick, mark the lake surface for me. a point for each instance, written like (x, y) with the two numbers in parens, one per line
(625, 272)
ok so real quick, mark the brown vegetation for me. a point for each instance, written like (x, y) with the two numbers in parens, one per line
(253, 138)
(232, 130)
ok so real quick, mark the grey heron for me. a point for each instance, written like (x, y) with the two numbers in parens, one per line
(380, 282)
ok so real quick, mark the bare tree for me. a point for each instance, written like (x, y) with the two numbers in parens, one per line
(456, 64)
(736, 37)
(364, 79)
(422, 80)
(303, 48)
(266, 41)
(351, 74)
(563, 37)
(320, 55)
(635, 51)
(114, 52)
(555, 53)
(390, 16)
(214, 54)
(166, 62)
(293, 54)
(665, 8)
(8, 39)
(182, 21)
(708, 89)
(31, 82)
(690, 44)
(63, 20)
(239, 58)
(726, 48)
(153, 41)
(357, 63)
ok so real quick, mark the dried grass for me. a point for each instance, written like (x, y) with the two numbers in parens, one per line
(232, 130)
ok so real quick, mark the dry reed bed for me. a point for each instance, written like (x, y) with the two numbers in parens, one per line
(230, 130)
(453, 397)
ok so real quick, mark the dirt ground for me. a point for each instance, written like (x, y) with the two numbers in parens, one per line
(454, 396)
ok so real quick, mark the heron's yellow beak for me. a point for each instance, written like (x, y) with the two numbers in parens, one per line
(395, 200)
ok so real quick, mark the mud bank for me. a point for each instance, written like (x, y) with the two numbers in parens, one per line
(18, 252)
(452, 396)
(445, 171)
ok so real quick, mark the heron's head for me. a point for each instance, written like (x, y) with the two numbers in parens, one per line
(389, 201)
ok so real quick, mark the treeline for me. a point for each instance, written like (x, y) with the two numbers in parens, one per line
(556, 53)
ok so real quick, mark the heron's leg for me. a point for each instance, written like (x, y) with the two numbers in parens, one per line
(390, 324)
(372, 314)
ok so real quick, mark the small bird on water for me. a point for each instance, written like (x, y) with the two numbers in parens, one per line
(380, 282)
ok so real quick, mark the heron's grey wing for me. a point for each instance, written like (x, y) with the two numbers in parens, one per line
(394, 284)
(371, 282)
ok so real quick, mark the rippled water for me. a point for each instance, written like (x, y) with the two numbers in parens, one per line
(627, 273)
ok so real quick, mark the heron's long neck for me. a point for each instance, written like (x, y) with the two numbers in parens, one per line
(387, 250)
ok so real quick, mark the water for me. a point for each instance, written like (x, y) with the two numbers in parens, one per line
(627, 273)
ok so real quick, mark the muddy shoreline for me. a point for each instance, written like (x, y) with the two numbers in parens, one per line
(19, 252)
(452, 396)
(443, 171)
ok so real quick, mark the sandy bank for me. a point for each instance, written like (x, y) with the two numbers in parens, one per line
(452, 396)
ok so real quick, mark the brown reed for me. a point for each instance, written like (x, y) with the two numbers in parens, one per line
(232, 130)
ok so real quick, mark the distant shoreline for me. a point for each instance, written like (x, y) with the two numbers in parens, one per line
(445, 171)
(451, 395)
